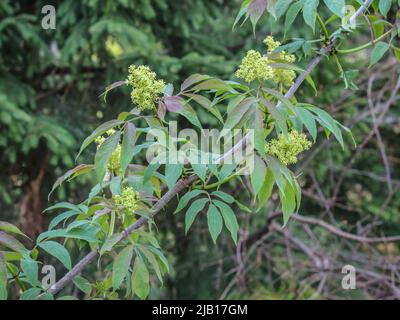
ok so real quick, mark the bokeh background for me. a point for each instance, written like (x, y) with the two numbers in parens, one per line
(50, 87)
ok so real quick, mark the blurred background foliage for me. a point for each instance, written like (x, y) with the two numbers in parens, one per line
(50, 87)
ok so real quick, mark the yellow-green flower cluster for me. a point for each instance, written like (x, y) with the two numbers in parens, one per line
(114, 163)
(146, 88)
(284, 76)
(129, 199)
(287, 149)
(254, 67)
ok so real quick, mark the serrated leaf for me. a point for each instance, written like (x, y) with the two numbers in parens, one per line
(172, 174)
(188, 112)
(57, 250)
(256, 10)
(307, 118)
(378, 52)
(266, 188)
(310, 12)
(291, 15)
(104, 153)
(192, 212)
(110, 242)
(10, 242)
(229, 219)
(200, 170)
(258, 174)
(140, 279)
(237, 113)
(384, 6)
(128, 145)
(31, 269)
(82, 284)
(5, 226)
(288, 203)
(121, 266)
(98, 132)
(30, 294)
(281, 7)
(194, 78)
(186, 198)
(224, 196)
(336, 6)
(214, 222)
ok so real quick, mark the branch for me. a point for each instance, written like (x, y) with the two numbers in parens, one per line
(185, 182)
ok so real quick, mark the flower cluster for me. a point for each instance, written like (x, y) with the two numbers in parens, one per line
(146, 88)
(257, 67)
(280, 75)
(287, 149)
(254, 67)
(114, 163)
(128, 199)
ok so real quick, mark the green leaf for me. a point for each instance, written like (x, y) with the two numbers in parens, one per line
(64, 205)
(192, 212)
(88, 235)
(224, 196)
(163, 261)
(57, 250)
(336, 6)
(188, 112)
(5, 226)
(255, 11)
(150, 170)
(378, 52)
(258, 174)
(128, 145)
(61, 217)
(238, 112)
(307, 118)
(186, 198)
(67, 298)
(243, 10)
(281, 7)
(206, 104)
(229, 219)
(12, 243)
(3, 278)
(121, 266)
(266, 188)
(110, 242)
(152, 260)
(194, 78)
(172, 174)
(78, 170)
(214, 221)
(212, 84)
(30, 294)
(288, 203)
(98, 132)
(140, 279)
(384, 6)
(291, 15)
(103, 154)
(310, 12)
(30, 269)
(82, 284)
(200, 170)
